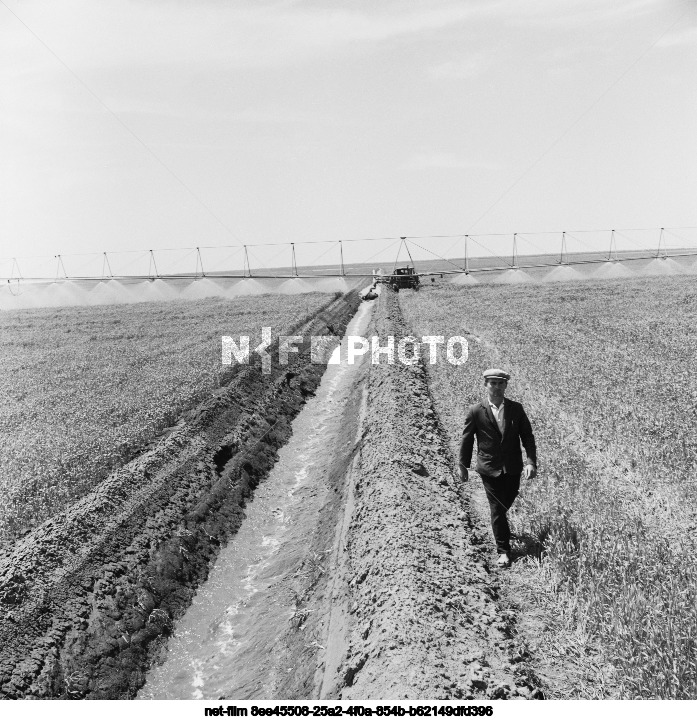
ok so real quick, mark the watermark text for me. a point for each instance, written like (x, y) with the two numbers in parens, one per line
(328, 349)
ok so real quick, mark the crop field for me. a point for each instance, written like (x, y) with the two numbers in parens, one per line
(84, 388)
(600, 602)
(606, 372)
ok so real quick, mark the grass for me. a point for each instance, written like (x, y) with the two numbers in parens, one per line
(605, 370)
(83, 388)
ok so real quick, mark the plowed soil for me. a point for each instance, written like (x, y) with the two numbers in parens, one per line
(88, 599)
(396, 600)
(408, 608)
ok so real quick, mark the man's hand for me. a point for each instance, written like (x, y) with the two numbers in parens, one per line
(530, 472)
(464, 473)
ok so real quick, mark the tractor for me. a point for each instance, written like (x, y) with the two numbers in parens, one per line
(403, 278)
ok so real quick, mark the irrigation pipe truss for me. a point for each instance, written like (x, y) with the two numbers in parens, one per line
(540, 258)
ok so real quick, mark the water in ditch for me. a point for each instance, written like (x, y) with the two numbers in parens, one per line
(224, 645)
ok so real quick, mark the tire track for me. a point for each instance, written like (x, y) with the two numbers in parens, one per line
(88, 598)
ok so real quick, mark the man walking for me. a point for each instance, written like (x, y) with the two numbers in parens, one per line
(500, 426)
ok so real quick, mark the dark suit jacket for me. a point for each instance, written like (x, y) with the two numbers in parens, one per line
(497, 453)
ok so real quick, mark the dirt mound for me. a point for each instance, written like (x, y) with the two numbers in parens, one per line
(419, 618)
(87, 599)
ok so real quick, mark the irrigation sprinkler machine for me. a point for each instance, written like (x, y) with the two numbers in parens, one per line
(404, 277)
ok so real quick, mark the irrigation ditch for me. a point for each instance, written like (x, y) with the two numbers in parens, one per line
(386, 592)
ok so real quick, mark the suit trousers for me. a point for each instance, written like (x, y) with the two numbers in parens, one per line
(501, 491)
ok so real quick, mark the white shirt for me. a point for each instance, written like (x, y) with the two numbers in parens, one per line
(498, 413)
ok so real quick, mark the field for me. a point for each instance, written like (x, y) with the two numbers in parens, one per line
(122, 419)
(83, 389)
(605, 371)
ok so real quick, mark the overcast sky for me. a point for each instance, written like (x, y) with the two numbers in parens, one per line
(293, 120)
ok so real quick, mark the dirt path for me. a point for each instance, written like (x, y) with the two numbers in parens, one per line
(398, 600)
(421, 620)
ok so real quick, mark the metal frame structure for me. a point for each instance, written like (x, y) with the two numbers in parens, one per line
(517, 261)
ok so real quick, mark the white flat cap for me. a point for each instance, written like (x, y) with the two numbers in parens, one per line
(496, 373)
